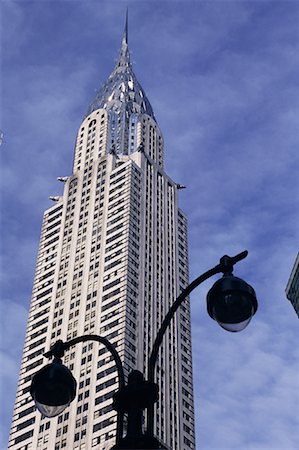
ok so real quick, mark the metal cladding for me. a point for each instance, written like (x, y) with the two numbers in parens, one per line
(124, 99)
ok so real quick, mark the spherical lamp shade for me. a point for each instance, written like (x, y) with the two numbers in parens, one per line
(53, 388)
(232, 303)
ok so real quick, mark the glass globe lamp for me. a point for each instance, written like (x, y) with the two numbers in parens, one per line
(53, 388)
(232, 303)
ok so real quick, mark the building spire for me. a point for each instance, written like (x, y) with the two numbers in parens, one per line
(124, 56)
(125, 35)
(122, 91)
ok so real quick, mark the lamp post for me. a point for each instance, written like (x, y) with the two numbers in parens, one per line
(231, 302)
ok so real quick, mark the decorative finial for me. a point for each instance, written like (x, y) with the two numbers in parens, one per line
(124, 57)
(125, 37)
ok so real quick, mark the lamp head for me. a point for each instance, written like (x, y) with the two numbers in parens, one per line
(53, 388)
(231, 302)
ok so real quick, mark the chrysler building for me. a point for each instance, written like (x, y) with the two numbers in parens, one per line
(112, 258)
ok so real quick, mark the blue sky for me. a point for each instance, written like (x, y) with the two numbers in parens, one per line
(222, 78)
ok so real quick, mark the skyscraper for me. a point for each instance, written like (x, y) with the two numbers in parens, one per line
(112, 258)
(292, 289)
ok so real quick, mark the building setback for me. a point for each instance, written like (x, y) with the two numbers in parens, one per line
(112, 259)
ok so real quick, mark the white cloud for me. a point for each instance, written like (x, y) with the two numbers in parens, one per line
(247, 386)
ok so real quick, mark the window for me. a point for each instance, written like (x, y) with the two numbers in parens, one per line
(26, 411)
(24, 436)
(110, 285)
(33, 365)
(106, 384)
(103, 424)
(26, 423)
(111, 294)
(106, 372)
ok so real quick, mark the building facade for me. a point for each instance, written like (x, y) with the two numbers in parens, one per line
(112, 258)
(292, 289)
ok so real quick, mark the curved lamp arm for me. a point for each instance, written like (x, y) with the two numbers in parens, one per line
(59, 348)
(225, 266)
(169, 316)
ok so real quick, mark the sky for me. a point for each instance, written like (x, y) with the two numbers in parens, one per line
(222, 78)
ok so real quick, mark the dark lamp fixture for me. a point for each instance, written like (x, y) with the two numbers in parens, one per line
(232, 303)
(53, 388)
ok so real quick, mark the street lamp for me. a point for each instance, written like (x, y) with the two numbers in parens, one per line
(231, 302)
(53, 387)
